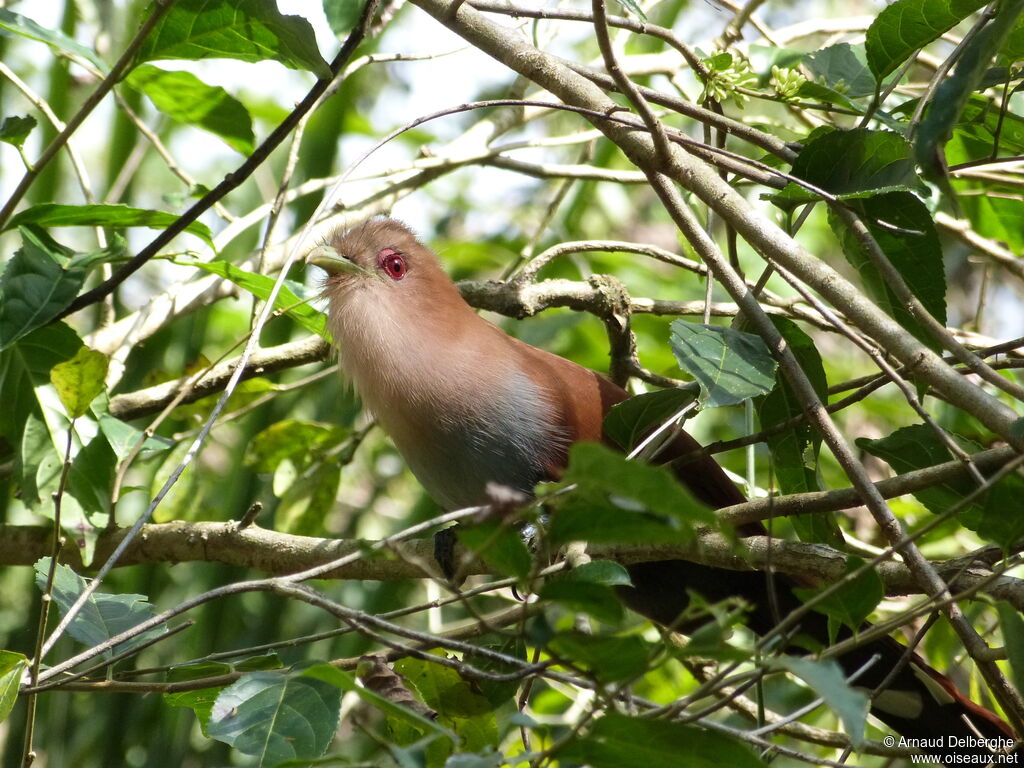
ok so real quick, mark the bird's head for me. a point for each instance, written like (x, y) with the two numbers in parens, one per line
(381, 256)
(389, 299)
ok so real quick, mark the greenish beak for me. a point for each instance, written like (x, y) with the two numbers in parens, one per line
(330, 262)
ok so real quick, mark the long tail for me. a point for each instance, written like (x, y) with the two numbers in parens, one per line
(917, 702)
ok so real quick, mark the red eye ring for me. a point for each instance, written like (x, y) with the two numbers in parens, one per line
(392, 263)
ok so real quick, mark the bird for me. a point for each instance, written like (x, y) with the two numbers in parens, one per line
(469, 406)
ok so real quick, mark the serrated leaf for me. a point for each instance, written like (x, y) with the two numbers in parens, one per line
(79, 380)
(619, 741)
(15, 24)
(184, 97)
(12, 666)
(14, 130)
(246, 30)
(35, 288)
(628, 422)
(842, 66)
(993, 516)
(851, 164)
(623, 502)
(730, 366)
(827, 680)
(903, 228)
(103, 615)
(795, 450)
(276, 717)
(25, 365)
(261, 285)
(201, 701)
(96, 215)
(907, 25)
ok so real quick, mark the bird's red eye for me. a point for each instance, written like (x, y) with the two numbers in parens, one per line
(392, 263)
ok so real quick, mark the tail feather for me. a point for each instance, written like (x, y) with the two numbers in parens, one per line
(919, 703)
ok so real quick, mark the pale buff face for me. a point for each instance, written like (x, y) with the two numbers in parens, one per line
(445, 384)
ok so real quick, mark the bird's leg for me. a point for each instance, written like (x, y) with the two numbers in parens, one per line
(502, 503)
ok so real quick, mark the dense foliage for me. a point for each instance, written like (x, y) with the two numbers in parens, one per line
(745, 212)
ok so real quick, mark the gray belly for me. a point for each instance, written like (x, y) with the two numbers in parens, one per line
(508, 441)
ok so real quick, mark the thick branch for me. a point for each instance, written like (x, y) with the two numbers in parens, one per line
(282, 553)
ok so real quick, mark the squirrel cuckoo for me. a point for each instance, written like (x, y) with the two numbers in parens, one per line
(467, 405)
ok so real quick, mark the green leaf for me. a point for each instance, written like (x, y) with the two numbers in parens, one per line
(14, 130)
(730, 366)
(302, 442)
(954, 91)
(993, 515)
(476, 760)
(1012, 50)
(342, 15)
(261, 285)
(981, 121)
(634, 9)
(103, 615)
(25, 365)
(995, 211)
(622, 501)
(308, 496)
(346, 682)
(276, 716)
(606, 572)
(184, 97)
(597, 600)
(79, 380)
(15, 24)
(795, 450)
(851, 164)
(91, 476)
(12, 665)
(247, 30)
(906, 25)
(628, 422)
(609, 658)
(201, 700)
(826, 679)
(904, 230)
(35, 288)
(843, 67)
(1013, 639)
(499, 545)
(54, 215)
(619, 741)
(122, 438)
(497, 692)
(852, 603)
(442, 688)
